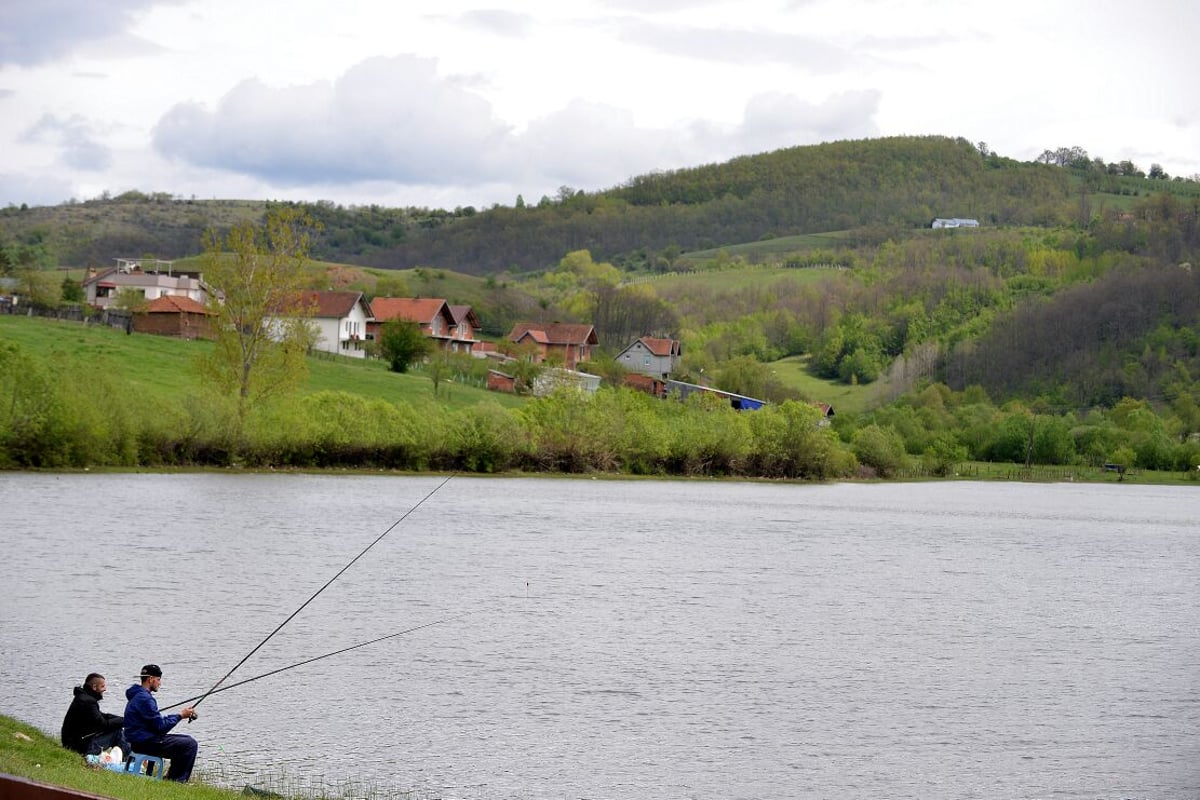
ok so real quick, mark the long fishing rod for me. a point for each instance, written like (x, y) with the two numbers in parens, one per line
(323, 588)
(318, 658)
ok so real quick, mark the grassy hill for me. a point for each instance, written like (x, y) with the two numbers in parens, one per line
(760, 202)
(161, 367)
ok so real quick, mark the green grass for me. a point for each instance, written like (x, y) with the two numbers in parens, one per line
(845, 399)
(780, 245)
(163, 367)
(27, 752)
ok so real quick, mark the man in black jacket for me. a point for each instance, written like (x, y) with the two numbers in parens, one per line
(86, 729)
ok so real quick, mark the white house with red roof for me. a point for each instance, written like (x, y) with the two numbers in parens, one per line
(339, 320)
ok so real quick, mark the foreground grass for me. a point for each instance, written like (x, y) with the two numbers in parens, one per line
(27, 752)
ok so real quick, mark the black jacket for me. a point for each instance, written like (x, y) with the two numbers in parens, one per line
(84, 717)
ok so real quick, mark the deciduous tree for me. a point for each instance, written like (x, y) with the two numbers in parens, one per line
(262, 321)
(402, 344)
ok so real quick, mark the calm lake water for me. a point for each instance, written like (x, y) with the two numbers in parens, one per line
(629, 639)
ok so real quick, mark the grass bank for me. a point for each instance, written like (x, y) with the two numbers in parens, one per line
(27, 752)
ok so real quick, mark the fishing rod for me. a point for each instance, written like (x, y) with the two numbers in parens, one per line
(318, 658)
(318, 591)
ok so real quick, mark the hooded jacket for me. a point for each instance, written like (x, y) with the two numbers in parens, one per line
(84, 720)
(143, 723)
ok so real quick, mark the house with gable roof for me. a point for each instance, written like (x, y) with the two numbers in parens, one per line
(650, 356)
(572, 342)
(174, 315)
(339, 320)
(433, 315)
(465, 330)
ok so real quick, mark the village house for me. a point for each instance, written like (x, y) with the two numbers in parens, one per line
(101, 288)
(449, 329)
(174, 315)
(569, 342)
(465, 329)
(339, 320)
(650, 356)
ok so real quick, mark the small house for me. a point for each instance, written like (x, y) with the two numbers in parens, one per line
(174, 315)
(569, 342)
(651, 356)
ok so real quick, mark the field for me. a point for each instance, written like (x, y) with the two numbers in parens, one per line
(162, 367)
(780, 245)
(845, 399)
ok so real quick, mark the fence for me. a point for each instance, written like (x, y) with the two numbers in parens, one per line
(112, 317)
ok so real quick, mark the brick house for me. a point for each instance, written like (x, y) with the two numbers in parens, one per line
(569, 341)
(435, 317)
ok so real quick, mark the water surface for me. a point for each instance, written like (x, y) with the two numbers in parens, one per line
(630, 639)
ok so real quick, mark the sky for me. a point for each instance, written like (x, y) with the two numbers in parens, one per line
(461, 103)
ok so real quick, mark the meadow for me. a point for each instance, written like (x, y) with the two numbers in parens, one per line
(161, 367)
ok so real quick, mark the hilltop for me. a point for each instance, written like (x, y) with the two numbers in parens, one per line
(893, 184)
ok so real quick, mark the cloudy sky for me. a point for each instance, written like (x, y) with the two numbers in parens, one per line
(472, 102)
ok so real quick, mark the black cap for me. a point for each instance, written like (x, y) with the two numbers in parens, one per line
(151, 671)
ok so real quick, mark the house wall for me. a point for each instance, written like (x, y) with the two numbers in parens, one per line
(151, 286)
(499, 382)
(639, 358)
(182, 325)
(343, 336)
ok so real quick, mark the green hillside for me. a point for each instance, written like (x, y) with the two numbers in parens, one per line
(160, 369)
(766, 199)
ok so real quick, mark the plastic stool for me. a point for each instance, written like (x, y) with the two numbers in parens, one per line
(148, 766)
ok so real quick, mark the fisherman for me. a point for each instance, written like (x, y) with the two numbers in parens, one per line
(148, 731)
(88, 730)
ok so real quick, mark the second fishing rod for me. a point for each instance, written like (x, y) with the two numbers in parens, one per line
(315, 594)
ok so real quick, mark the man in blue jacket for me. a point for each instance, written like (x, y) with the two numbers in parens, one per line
(148, 731)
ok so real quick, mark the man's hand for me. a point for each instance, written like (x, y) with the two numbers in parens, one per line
(188, 713)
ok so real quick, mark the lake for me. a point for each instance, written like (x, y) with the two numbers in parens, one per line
(627, 638)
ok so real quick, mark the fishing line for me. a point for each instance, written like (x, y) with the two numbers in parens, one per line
(323, 588)
(317, 658)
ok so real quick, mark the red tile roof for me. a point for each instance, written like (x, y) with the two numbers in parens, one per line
(175, 304)
(555, 333)
(328, 304)
(415, 309)
(661, 347)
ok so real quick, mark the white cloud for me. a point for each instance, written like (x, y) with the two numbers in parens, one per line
(75, 139)
(46, 30)
(374, 101)
(388, 119)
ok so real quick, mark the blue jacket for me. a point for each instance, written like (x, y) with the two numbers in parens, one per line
(143, 723)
